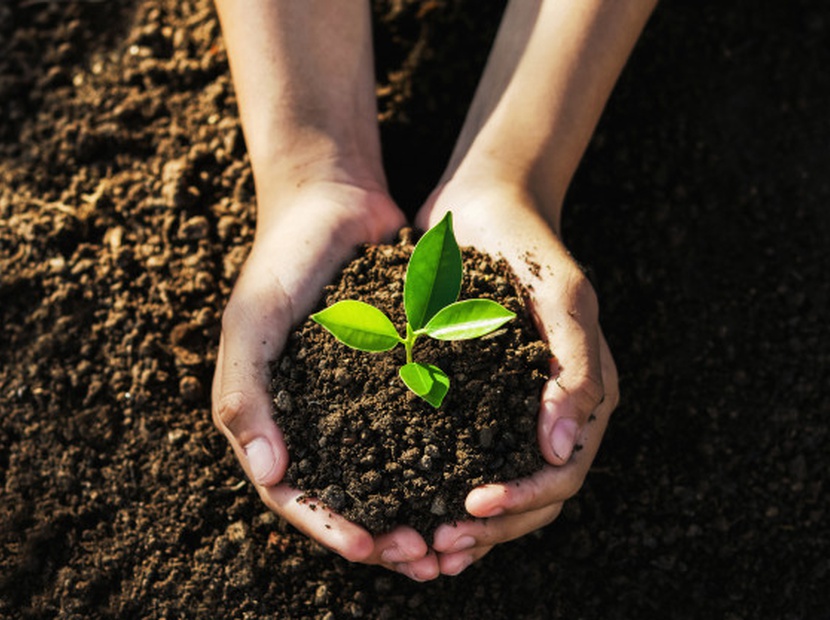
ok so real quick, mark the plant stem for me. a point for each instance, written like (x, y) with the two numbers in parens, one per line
(409, 342)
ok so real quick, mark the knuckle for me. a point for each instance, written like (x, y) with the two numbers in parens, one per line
(584, 300)
(590, 392)
(545, 494)
(234, 309)
(359, 552)
(534, 494)
(493, 532)
(229, 410)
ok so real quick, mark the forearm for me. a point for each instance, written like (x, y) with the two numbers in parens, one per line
(551, 70)
(304, 81)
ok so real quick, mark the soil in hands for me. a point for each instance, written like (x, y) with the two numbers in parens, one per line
(366, 447)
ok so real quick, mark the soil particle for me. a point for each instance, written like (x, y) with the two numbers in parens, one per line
(190, 388)
(706, 227)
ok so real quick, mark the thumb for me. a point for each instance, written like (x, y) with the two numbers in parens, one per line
(576, 387)
(241, 400)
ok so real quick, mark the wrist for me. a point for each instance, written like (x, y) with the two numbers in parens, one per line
(304, 82)
(355, 210)
(300, 158)
(495, 178)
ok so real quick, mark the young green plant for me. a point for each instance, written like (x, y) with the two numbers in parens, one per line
(431, 288)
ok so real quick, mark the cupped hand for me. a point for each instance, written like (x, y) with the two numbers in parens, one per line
(583, 391)
(302, 239)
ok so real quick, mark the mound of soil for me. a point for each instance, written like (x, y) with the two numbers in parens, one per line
(370, 449)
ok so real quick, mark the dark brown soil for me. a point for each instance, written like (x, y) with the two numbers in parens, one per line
(126, 209)
(367, 447)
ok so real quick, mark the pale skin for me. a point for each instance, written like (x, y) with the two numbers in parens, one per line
(305, 85)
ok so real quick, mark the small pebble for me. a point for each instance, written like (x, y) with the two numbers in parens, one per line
(496, 463)
(342, 377)
(190, 388)
(177, 436)
(236, 532)
(284, 402)
(334, 497)
(226, 226)
(195, 228)
(485, 437)
(439, 507)
(172, 178)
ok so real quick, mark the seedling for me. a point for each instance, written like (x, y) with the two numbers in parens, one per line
(431, 288)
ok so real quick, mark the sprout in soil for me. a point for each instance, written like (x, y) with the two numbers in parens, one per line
(431, 288)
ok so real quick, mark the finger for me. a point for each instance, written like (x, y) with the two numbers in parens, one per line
(576, 387)
(452, 564)
(253, 335)
(242, 411)
(313, 518)
(424, 569)
(551, 484)
(401, 545)
(468, 535)
(405, 551)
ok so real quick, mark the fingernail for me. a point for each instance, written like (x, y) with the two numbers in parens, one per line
(463, 542)
(487, 501)
(563, 437)
(261, 459)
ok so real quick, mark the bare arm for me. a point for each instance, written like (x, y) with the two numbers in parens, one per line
(304, 78)
(305, 86)
(551, 70)
(550, 73)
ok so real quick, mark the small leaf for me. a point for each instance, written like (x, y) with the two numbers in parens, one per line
(433, 276)
(467, 319)
(359, 325)
(427, 381)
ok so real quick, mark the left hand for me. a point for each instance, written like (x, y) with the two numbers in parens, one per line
(577, 401)
(302, 239)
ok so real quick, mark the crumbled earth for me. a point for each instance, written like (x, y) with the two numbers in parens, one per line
(126, 210)
(370, 449)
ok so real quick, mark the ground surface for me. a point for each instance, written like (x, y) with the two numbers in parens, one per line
(126, 210)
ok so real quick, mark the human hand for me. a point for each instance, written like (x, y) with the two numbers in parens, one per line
(578, 399)
(305, 238)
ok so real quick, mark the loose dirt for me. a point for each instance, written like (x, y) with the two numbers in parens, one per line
(127, 208)
(373, 451)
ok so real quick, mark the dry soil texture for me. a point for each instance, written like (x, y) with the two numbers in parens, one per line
(126, 209)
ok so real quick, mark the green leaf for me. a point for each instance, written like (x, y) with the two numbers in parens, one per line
(427, 381)
(433, 277)
(467, 319)
(359, 326)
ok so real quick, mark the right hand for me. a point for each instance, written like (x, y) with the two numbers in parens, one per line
(308, 234)
(504, 219)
